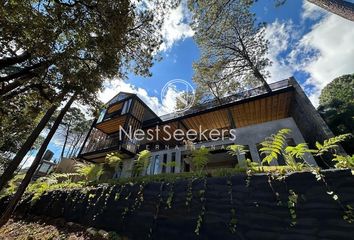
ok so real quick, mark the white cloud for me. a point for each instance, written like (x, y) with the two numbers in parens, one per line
(332, 39)
(279, 34)
(324, 53)
(312, 11)
(176, 26)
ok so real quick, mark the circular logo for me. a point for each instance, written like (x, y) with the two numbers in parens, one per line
(178, 95)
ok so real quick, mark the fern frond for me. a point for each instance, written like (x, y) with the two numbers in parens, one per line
(331, 143)
(298, 151)
(343, 161)
(273, 146)
(236, 150)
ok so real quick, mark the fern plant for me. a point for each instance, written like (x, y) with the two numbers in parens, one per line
(91, 172)
(200, 158)
(142, 162)
(330, 144)
(343, 161)
(114, 159)
(273, 146)
(237, 150)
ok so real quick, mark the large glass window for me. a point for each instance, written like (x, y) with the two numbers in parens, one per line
(126, 106)
(102, 113)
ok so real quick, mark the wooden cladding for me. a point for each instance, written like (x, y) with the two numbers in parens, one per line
(112, 125)
(138, 110)
(115, 107)
(262, 110)
(244, 114)
(212, 120)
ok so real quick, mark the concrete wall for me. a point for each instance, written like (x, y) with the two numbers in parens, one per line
(309, 121)
(237, 207)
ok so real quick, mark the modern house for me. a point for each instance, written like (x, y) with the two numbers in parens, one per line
(246, 118)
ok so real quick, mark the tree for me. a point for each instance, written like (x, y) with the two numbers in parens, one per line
(17, 119)
(28, 177)
(343, 8)
(232, 47)
(15, 162)
(337, 107)
(78, 134)
(46, 40)
(72, 121)
(58, 48)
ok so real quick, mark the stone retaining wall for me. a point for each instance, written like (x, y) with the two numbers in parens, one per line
(234, 207)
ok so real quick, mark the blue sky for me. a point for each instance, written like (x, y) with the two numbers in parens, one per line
(304, 41)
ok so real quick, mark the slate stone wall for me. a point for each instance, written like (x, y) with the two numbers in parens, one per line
(260, 208)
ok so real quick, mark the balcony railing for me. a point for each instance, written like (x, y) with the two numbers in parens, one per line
(99, 140)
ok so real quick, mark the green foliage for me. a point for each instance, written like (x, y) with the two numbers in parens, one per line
(292, 201)
(91, 172)
(51, 182)
(343, 161)
(292, 164)
(337, 107)
(142, 163)
(232, 44)
(12, 185)
(114, 159)
(340, 88)
(77, 45)
(273, 146)
(18, 118)
(298, 151)
(200, 158)
(237, 150)
(200, 218)
(330, 144)
(348, 214)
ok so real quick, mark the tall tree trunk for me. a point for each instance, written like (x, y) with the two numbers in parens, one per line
(65, 141)
(260, 77)
(13, 165)
(25, 182)
(339, 7)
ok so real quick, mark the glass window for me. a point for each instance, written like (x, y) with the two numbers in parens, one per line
(102, 114)
(157, 164)
(126, 106)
